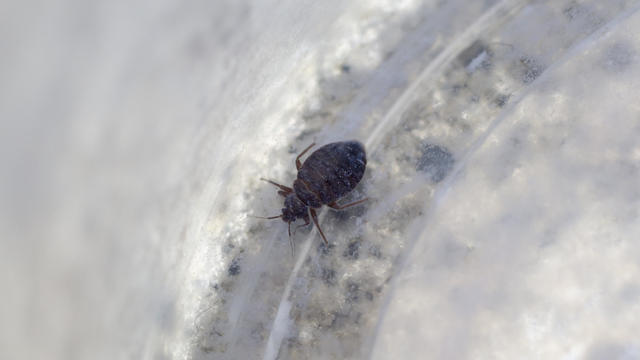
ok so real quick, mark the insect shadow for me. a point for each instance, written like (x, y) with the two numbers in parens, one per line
(327, 175)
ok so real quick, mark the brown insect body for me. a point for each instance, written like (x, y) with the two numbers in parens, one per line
(326, 175)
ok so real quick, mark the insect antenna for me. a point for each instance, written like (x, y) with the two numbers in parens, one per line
(284, 190)
(268, 218)
(293, 248)
(293, 251)
(276, 217)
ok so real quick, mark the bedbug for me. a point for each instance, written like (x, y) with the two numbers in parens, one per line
(327, 175)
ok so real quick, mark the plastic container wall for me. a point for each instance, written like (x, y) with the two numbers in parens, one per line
(503, 180)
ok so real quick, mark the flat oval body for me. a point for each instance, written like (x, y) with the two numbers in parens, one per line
(330, 172)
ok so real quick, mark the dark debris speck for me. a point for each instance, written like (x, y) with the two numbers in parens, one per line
(353, 250)
(325, 249)
(532, 69)
(375, 251)
(329, 276)
(573, 11)
(436, 161)
(369, 295)
(353, 292)
(234, 268)
(501, 100)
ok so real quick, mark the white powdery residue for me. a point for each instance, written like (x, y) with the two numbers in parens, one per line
(359, 32)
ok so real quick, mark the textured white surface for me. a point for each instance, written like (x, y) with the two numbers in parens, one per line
(531, 251)
(133, 134)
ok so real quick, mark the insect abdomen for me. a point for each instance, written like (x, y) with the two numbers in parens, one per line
(333, 170)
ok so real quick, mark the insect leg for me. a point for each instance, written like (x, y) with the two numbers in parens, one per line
(315, 221)
(337, 206)
(306, 222)
(285, 189)
(298, 163)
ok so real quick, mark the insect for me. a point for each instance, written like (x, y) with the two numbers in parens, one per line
(328, 174)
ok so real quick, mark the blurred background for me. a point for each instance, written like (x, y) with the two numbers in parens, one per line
(503, 179)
